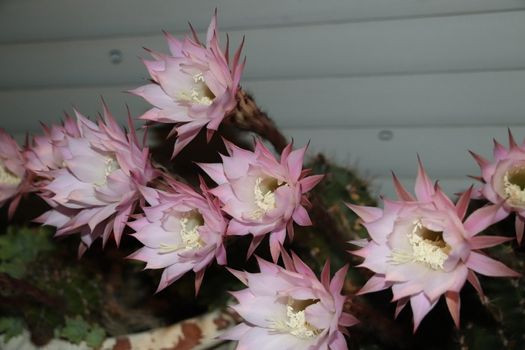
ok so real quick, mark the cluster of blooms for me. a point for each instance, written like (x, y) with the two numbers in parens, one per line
(97, 179)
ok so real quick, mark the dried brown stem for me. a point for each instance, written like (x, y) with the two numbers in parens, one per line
(248, 116)
(24, 292)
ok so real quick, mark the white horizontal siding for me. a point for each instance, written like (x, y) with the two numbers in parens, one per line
(28, 20)
(482, 98)
(443, 150)
(442, 44)
(451, 186)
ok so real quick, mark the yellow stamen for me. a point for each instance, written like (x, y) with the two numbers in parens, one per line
(7, 177)
(200, 93)
(514, 186)
(428, 247)
(189, 234)
(264, 196)
(295, 323)
(110, 165)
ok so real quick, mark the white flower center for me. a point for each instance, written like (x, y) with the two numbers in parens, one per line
(189, 233)
(295, 323)
(200, 93)
(264, 196)
(7, 177)
(110, 165)
(514, 186)
(428, 247)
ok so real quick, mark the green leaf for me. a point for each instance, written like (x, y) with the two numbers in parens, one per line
(75, 330)
(20, 246)
(11, 327)
(95, 337)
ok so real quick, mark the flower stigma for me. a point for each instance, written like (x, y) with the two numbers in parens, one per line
(428, 247)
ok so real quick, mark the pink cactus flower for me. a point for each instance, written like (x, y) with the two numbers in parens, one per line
(422, 248)
(181, 231)
(97, 186)
(43, 155)
(290, 309)
(504, 182)
(14, 180)
(193, 87)
(262, 194)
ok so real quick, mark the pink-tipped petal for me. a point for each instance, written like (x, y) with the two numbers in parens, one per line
(519, 226)
(424, 188)
(453, 304)
(401, 192)
(489, 267)
(483, 218)
(463, 203)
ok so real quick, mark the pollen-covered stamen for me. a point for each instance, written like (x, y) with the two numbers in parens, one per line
(264, 196)
(295, 322)
(514, 185)
(428, 247)
(110, 165)
(189, 233)
(199, 93)
(7, 177)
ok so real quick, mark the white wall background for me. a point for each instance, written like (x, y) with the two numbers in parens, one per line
(370, 82)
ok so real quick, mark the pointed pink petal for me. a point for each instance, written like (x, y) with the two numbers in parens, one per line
(325, 274)
(482, 162)
(310, 182)
(300, 216)
(474, 281)
(198, 280)
(253, 245)
(480, 242)
(276, 242)
(424, 188)
(519, 224)
(339, 279)
(347, 320)
(500, 152)
(483, 218)
(338, 342)
(400, 306)
(295, 162)
(453, 303)
(512, 142)
(367, 214)
(241, 275)
(215, 171)
(420, 308)
(463, 202)
(489, 267)
(401, 192)
(374, 284)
